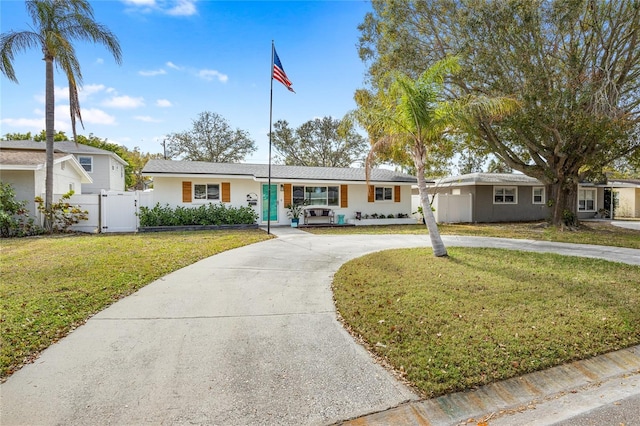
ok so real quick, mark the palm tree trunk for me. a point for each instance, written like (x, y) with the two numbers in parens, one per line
(439, 249)
(49, 128)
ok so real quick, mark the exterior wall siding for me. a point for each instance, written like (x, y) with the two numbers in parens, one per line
(24, 185)
(103, 176)
(168, 190)
(487, 211)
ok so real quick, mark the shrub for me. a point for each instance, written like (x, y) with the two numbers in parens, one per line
(205, 214)
(14, 217)
(61, 213)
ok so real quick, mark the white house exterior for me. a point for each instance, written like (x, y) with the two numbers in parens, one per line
(25, 170)
(106, 168)
(345, 191)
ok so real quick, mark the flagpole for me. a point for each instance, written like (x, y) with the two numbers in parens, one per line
(270, 121)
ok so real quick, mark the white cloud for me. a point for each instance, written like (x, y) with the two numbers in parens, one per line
(213, 74)
(99, 61)
(183, 8)
(163, 103)
(152, 73)
(140, 2)
(174, 66)
(97, 116)
(167, 7)
(124, 102)
(146, 119)
(36, 124)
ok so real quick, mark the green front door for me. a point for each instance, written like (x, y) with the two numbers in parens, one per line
(274, 203)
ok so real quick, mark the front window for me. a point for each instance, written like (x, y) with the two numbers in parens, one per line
(538, 195)
(316, 195)
(86, 163)
(505, 195)
(206, 192)
(384, 193)
(586, 200)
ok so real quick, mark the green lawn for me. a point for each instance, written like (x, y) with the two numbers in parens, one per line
(482, 315)
(589, 233)
(51, 285)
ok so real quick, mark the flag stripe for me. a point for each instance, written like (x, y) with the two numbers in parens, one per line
(278, 72)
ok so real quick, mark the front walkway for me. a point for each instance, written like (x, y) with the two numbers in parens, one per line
(245, 337)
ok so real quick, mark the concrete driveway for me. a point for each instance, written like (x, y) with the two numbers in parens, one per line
(245, 337)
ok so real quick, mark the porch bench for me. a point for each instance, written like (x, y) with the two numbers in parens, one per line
(318, 213)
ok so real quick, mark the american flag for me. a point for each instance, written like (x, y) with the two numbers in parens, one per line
(278, 72)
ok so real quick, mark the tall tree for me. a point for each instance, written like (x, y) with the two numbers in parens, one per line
(56, 24)
(573, 65)
(210, 139)
(322, 142)
(412, 116)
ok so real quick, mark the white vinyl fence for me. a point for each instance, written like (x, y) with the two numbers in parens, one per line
(453, 208)
(109, 211)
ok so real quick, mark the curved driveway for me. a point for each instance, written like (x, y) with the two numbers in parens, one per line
(248, 336)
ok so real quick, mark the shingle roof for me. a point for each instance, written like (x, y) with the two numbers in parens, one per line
(25, 158)
(69, 147)
(261, 171)
(489, 179)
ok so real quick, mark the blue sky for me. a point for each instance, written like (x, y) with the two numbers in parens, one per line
(183, 57)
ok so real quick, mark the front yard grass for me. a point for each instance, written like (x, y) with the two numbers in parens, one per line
(588, 233)
(51, 285)
(483, 315)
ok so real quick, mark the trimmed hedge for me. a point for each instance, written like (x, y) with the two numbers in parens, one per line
(206, 214)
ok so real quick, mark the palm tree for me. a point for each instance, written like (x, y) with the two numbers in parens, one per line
(412, 118)
(56, 24)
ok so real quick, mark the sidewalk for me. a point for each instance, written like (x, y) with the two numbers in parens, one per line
(246, 337)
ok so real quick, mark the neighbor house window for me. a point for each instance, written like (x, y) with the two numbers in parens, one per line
(586, 200)
(538, 195)
(86, 163)
(316, 195)
(206, 192)
(505, 195)
(384, 193)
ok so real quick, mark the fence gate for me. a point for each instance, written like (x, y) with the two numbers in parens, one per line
(118, 211)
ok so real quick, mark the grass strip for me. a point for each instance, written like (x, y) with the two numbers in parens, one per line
(51, 285)
(483, 315)
(598, 233)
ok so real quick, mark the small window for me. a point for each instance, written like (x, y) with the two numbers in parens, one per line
(86, 163)
(586, 200)
(384, 193)
(538, 195)
(505, 195)
(206, 192)
(455, 191)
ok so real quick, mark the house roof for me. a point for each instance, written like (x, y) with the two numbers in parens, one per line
(489, 179)
(20, 159)
(69, 147)
(25, 160)
(261, 171)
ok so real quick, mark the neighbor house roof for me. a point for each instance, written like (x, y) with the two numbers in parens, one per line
(69, 147)
(489, 179)
(20, 159)
(261, 171)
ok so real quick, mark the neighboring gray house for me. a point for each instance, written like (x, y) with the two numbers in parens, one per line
(106, 169)
(512, 197)
(489, 197)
